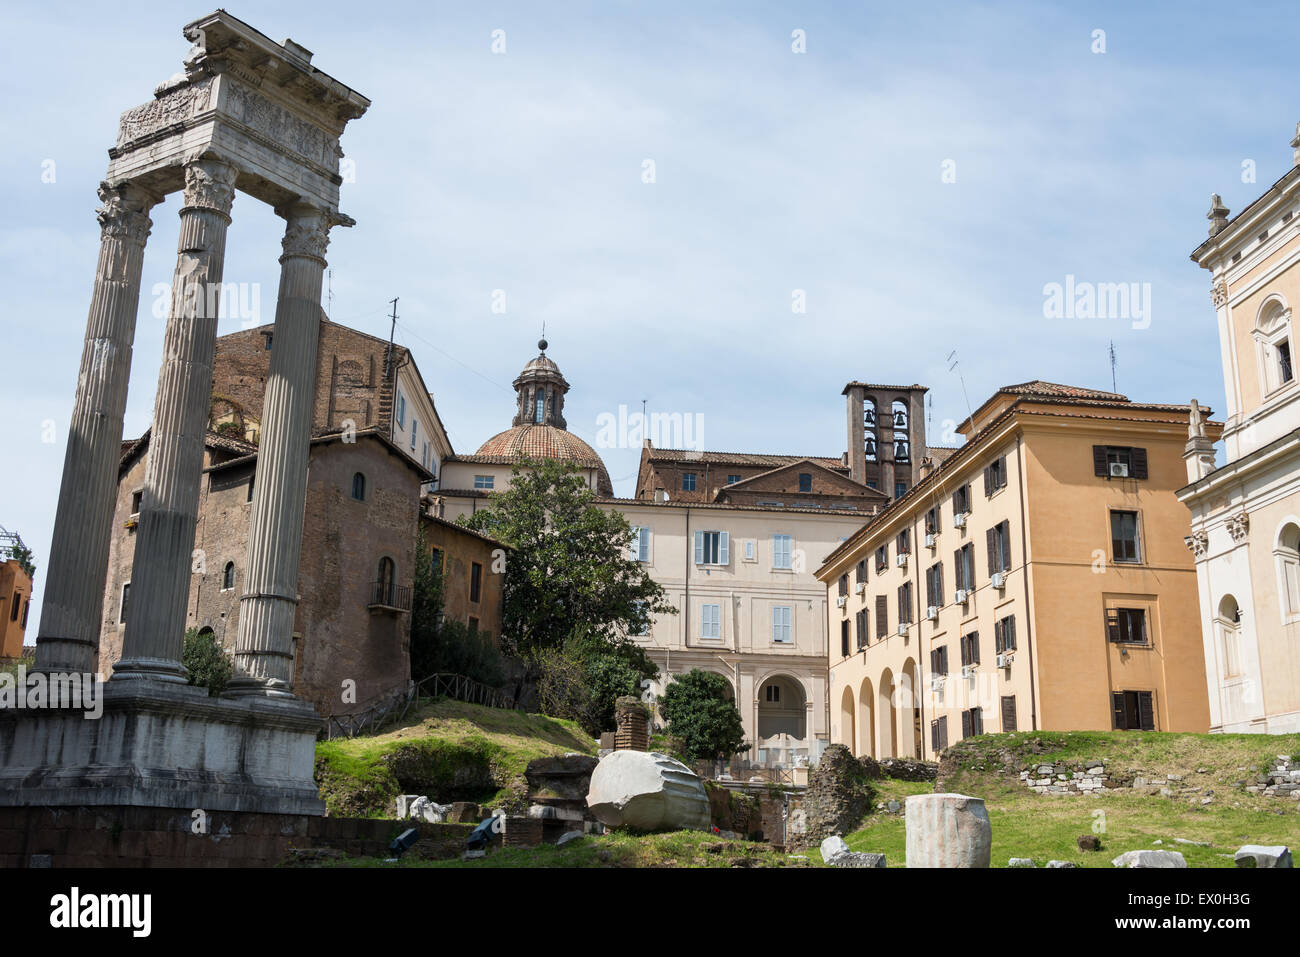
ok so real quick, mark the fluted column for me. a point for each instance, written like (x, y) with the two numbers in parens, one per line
(155, 627)
(264, 648)
(72, 609)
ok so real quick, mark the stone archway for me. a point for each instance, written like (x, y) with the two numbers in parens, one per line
(866, 741)
(909, 712)
(886, 720)
(848, 725)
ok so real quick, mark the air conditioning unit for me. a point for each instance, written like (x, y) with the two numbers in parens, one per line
(862, 586)
(1004, 660)
(959, 520)
(968, 670)
(932, 612)
(962, 596)
(902, 560)
(931, 539)
(841, 601)
(936, 682)
(999, 580)
(1118, 470)
(902, 629)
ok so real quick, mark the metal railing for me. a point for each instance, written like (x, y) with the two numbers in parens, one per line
(388, 594)
(395, 706)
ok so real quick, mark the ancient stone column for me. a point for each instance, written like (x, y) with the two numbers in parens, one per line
(160, 577)
(71, 614)
(264, 649)
(948, 830)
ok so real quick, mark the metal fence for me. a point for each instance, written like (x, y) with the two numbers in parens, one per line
(394, 707)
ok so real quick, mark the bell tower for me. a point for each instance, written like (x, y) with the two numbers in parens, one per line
(540, 390)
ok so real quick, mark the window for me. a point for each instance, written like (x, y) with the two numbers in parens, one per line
(939, 660)
(934, 585)
(266, 340)
(733, 479)
(1287, 555)
(964, 565)
(435, 560)
(710, 621)
(900, 488)
(864, 628)
(1132, 711)
(781, 549)
(424, 455)
(359, 487)
(401, 409)
(386, 583)
(972, 722)
(688, 481)
(751, 548)
(1272, 336)
(643, 629)
(415, 431)
(15, 605)
(882, 558)
(903, 544)
(939, 734)
(805, 481)
(905, 603)
(932, 521)
(475, 581)
(970, 649)
(1114, 461)
(1126, 626)
(773, 693)
(228, 576)
(1284, 361)
(136, 499)
(782, 624)
(999, 544)
(995, 475)
(844, 584)
(485, 481)
(539, 414)
(844, 638)
(1009, 713)
(860, 573)
(882, 616)
(1124, 537)
(639, 550)
(961, 500)
(1229, 626)
(712, 548)
(1004, 635)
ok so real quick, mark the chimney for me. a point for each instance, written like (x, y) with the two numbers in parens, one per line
(927, 466)
(660, 496)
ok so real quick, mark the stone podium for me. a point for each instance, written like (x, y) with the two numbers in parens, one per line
(246, 115)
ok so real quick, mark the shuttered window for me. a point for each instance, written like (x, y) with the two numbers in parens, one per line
(882, 616)
(882, 558)
(932, 521)
(844, 638)
(712, 548)
(934, 585)
(860, 573)
(639, 550)
(905, 603)
(1004, 634)
(995, 475)
(782, 628)
(782, 546)
(864, 628)
(939, 734)
(939, 660)
(961, 500)
(970, 649)
(999, 545)
(710, 621)
(1009, 713)
(1116, 461)
(1133, 711)
(964, 564)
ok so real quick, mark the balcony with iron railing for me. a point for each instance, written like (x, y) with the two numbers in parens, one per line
(388, 596)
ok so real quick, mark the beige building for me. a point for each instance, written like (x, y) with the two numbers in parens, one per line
(1036, 579)
(1245, 527)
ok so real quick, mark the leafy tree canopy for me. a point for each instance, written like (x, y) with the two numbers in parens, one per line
(701, 714)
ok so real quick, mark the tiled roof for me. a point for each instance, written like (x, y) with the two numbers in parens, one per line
(883, 388)
(1055, 389)
(213, 440)
(753, 459)
(864, 513)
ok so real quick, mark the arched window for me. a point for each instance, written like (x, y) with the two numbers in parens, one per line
(1273, 341)
(541, 408)
(1228, 625)
(869, 428)
(359, 487)
(228, 577)
(1287, 555)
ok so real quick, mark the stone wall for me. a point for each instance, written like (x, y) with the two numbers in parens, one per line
(839, 795)
(1282, 779)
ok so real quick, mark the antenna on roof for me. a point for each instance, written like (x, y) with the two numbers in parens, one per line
(388, 356)
(1114, 387)
(954, 366)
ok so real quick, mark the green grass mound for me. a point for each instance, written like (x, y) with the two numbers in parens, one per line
(1045, 827)
(448, 750)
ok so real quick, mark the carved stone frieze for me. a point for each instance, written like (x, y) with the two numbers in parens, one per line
(176, 106)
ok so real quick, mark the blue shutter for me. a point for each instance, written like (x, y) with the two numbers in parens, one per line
(632, 550)
(724, 548)
(699, 548)
(644, 545)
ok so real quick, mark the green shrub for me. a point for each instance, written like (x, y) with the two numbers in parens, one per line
(206, 661)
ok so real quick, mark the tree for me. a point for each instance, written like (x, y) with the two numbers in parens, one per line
(700, 712)
(206, 661)
(569, 565)
(583, 679)
(23, 556)
(440, 645)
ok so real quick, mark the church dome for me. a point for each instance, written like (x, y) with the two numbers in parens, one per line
(538, 430)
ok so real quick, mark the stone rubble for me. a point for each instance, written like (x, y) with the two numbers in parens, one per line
(1258, 855)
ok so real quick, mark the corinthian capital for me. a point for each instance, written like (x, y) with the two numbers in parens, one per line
(307, 230)
(210, 184)
(125, 213)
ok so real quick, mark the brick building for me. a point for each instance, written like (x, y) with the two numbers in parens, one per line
(471, 566)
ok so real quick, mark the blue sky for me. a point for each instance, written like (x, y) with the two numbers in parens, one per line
(775, 171)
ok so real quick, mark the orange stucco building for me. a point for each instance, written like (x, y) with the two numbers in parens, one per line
(1036, 579)
(15, 597)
